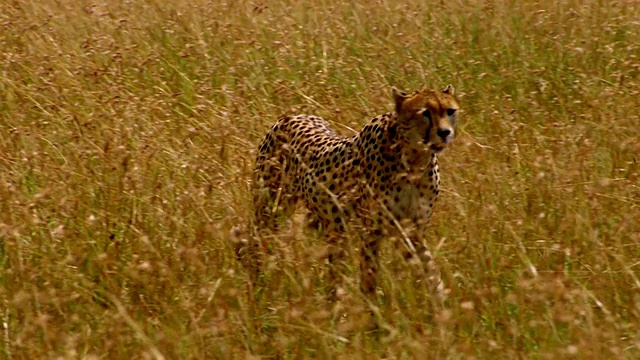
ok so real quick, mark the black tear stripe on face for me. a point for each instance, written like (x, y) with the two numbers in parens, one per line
(427, 114)
(427, 135)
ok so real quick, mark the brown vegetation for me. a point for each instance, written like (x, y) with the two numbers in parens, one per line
(128, 131)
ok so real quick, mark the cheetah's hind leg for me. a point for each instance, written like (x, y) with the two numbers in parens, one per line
(251, 247)
(247, 250)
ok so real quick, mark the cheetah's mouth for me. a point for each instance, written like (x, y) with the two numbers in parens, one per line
(434, 147)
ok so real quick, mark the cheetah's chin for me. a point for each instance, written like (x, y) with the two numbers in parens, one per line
(438, 147)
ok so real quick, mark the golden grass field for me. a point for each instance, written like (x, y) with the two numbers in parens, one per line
(129, 130)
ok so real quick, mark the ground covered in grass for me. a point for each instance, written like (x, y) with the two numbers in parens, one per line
(127, 137)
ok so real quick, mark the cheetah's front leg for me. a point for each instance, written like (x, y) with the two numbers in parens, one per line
(425, 262)
(337, 268)
(369, 264)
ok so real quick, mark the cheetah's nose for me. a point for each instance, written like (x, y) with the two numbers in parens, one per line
(444, 133)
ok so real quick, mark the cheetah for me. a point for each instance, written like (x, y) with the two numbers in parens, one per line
(385, 178)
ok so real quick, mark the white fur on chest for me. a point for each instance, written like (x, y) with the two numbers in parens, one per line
(414, 198)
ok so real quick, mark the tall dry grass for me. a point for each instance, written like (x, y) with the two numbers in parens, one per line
(128, 131)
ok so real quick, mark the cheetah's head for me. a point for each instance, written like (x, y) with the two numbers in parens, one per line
(427, 117)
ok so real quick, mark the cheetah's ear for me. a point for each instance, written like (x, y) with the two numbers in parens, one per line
(449, 90)
(398, 97)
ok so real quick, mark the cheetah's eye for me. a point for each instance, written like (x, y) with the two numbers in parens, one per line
(450, 112)
(427, 114)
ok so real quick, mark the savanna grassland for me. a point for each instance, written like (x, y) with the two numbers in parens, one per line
(128, 131)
